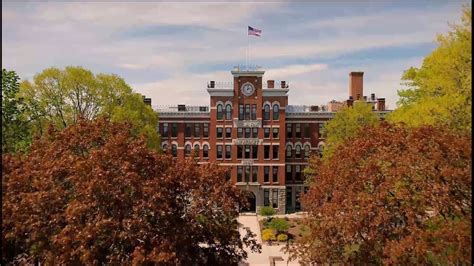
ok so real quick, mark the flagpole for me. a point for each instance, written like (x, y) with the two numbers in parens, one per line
(248, 51)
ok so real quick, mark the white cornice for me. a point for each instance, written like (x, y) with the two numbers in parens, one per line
(248, 73)
(221, 92)
(275, 92)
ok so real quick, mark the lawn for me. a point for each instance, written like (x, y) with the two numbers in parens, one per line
(295, 230)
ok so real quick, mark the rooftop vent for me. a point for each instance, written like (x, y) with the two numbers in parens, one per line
(314, 108)
(181, 107)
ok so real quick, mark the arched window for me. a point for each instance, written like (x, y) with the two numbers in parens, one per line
(205, 151)
(306, 151)
(219, 112)
(276, 112)
(174, 150)
(165, 147)
(196, 150)
(288, 151)
(266, 112)
(228, 112)
(187, 149)
(321, 148)
(298, 151)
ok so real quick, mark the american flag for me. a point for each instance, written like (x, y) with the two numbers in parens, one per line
(254, 31)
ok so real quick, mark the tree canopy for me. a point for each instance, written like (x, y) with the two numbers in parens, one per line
(15, 135)
(439, 92)
(93, 193)
(346, 124)
(62, 97)
(399, 197)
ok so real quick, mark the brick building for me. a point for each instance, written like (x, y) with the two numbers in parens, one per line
(250, 127)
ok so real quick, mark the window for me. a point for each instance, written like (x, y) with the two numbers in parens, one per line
(174, 150)
(165, 130)
(254, 132)
(228, 112)
(174, 130)
(320, 128)
(247, 173)
(254, 173)
(219, 132)
(275, 132)
(276, 112)
(266, 132)
(307, 150)
(275, 198)
(254, 112)
(247, 132)
(289, 152)
(219, 112)
(205, 151)
(219, 151)
(289, 131)
(288, 197)
(247, 152)
(266, 151)
(307, 134)
(228, 152)
(165, 147)
(297, 199)
(254, 152)
(241, 112)
(187, 133)
(298, 173)
(298, 151)
(239, 173)
(228, 132)
(196, 150)
(239, 151)
(266, 197)
(275, 174)
(289, 174)
(187, 149)
(266, 112)
(275, 151)
(298, 130)
(205, 132)
(197, 130)
(266, 174)
(240, 132)
(247, 112)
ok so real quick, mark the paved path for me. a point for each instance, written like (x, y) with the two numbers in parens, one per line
(251, 222)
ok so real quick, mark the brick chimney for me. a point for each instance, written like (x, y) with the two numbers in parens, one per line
(380, 104)
(270, 84)
(356, 85)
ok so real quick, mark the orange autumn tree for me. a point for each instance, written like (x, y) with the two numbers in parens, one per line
(94, 194)
(392, 195)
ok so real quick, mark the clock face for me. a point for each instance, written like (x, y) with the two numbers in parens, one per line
(248, 89)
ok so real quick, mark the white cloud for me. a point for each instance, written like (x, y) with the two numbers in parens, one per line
(293, 70)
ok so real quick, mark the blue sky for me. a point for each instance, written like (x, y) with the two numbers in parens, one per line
(169, 51)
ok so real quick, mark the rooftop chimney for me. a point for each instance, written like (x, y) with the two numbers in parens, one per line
(213, 84)
(270, 84)
(181, 107)
(372, 97)
(283, 84)
(380, 104)
(356, 85)
(147, 101)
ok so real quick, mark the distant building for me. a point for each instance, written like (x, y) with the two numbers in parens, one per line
(250, 127)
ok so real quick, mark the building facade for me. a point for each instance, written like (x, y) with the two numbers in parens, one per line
(250, 128)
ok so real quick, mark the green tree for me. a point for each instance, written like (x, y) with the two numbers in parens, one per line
(15, 135)
(440, 91)
(62, 97)
(346, 125)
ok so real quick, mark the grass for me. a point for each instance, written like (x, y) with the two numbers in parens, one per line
(296, 230)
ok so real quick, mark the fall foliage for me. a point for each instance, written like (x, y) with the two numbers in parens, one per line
(394, 195)
(94, 194)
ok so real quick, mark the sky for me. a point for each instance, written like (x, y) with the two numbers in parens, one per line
(170, 51)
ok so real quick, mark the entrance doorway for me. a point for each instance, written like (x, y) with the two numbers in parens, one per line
(251, 203)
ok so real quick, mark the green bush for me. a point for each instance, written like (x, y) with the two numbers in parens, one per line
(282, 237)
(267, 211)
(279, 224)
(268, 234)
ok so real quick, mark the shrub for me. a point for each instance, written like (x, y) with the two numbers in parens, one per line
(282, 237)
(279, 224)
(267, 211)
(268, 234)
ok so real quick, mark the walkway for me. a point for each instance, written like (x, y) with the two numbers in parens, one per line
(263, 258)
